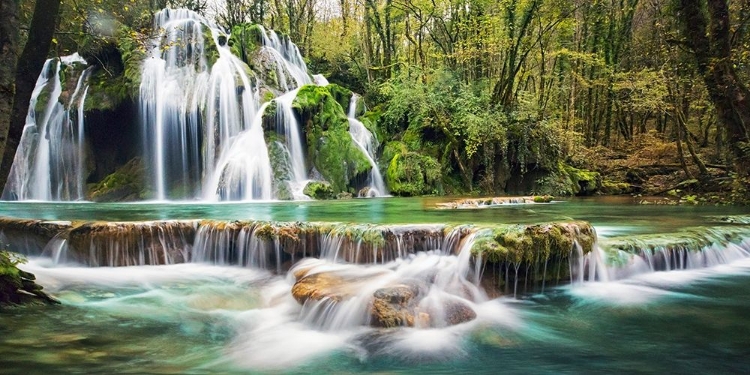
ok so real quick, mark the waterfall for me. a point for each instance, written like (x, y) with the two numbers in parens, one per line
(190, 108)
(49, 163)
(289, 127)
(200, 116)
(621, 258)
(367, 142)
(203, 123)
(288, 59)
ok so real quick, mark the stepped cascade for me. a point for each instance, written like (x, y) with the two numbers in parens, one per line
(201, 111)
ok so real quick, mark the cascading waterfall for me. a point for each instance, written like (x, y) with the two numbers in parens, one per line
(617, 259)
(289, 60)
(367, 142)
(287, 124)
(49, 163)
(189, 109)
(201, 121)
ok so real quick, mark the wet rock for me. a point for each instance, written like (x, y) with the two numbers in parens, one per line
(395, 306)
(17, 287)
(457, 312)
(319, 286)
(319, 190)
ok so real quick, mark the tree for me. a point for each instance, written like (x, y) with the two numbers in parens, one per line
(708, 34)
(9, 39)
(30, 63)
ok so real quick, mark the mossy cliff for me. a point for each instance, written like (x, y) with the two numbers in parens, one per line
(330, 148)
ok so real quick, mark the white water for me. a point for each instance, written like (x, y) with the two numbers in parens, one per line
(289, 62)
(49, 163)
(366, 141)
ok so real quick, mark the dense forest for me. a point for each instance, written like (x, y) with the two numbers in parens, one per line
(471, 96)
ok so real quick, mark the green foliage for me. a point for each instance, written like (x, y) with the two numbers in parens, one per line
(319, 190)
(411, 174)
(17, 287)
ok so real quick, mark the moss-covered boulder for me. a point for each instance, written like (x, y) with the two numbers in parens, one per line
(534, 253)
(562, 180)
(319, 190)
(17, 287)
(281, 167)
(128, 183)
(330, 147)
(245, 40)
(583, 182)
(342, 95)
(410, 174)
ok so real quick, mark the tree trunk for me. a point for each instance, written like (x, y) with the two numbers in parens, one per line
(30, 64)
(8, 57)
(711, 44)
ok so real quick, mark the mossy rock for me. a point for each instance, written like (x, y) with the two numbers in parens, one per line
(584, 182)
(245, 40)
(615, 188)
(319, 190)
(280, 167)
(17, 287)
(412, 174)
(330, 147)
(342, 95)
(125, 184)
(535, 253)
(562, 181)
(210, 49)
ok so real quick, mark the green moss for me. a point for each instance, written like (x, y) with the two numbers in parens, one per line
(329, 145)
(245, 40)
(342, 95)
(615, 188)
(543, 198)
(533, 243)
(584, 182)
(125, 184)
(106, 92)
(210, 49)
(267, 97)
(411, 174)
(319, 190)
(17, 287)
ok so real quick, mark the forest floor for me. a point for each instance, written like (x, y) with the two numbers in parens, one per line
(653, 169)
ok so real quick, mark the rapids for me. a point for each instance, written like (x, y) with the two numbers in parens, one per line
(662, 292)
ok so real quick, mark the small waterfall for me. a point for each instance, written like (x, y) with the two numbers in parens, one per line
(367, 142)
(622, 258)
(288, 126)
(243, 171)
(427, 289)
(289, 62)
(49, 163)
